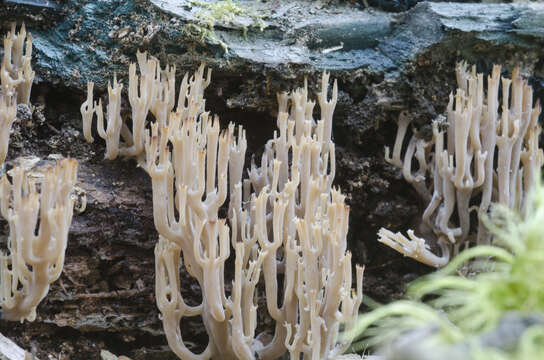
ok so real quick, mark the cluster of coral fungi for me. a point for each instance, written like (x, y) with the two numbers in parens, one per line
(286, 223)
(39, 213)
(486, 151)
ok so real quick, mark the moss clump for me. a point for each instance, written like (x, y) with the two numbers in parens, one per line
(222, 12)
(462, 308)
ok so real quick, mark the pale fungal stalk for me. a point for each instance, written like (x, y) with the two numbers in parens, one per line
(38, 223)
(484, 153)
(8, 112)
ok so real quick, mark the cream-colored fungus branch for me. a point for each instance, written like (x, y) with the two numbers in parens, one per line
(8, 112)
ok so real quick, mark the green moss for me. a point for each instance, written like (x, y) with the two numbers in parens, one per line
(222, 12)
(474, 293)
(203, 34)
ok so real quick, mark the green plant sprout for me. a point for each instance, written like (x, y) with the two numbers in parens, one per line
(459, 306)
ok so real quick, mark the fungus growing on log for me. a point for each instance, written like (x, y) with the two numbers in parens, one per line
(484, 153)
(16, 73)
(38, 222)
(285, 220)
(151, 92)
(16, 78)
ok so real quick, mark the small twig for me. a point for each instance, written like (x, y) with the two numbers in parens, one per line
(11, 351)
(334, 48)
(111, 294)
(54, 129)
(380, 266)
